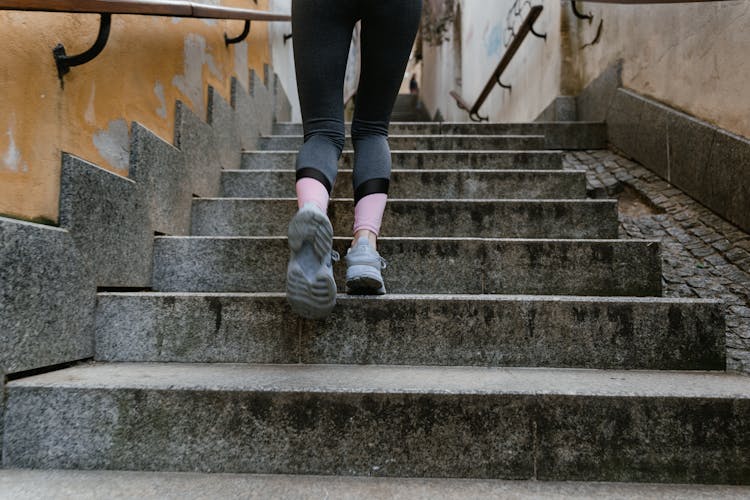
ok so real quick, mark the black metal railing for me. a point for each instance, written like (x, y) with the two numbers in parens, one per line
(107, 8)
(495, 79)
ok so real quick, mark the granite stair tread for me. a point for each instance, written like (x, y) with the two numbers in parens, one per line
(421, 183)
(426, 142)
(560, 135)
(473, 422)
(476, 330)
(514, 218)
(21, 484)
(424, 265)
(381, 379)
(522, 160)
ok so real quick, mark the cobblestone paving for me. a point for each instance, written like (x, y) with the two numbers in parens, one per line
(703, 255)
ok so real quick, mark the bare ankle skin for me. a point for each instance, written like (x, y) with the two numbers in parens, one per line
(371, 237)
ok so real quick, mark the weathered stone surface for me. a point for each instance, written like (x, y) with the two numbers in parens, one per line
(47, 297)
(241, 422)
(681, 441)
(562, 108)
(594, 102)
(651, 146)
(226, 137)
(425, 142)
(689, 151)
(729, 180)
(194, 138)
(282, 106)
(703, 253)
(23, 484)
(442, 184)
(263, 101)
(428, 218)
(246, 116)
(158, 168)
(623, 121)
(489, 330)
(423, 265)
(388, 421)
(557, 135)
(109, 221)
(520, 160)
(195, 328)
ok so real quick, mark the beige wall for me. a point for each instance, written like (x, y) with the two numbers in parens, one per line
(534, 74)
(693, 57)
(148, 64)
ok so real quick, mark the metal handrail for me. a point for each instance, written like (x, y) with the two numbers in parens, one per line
(526, 28)
(168, 8)
(106, 8)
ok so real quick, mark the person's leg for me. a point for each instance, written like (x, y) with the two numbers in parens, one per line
(388, 31)
(322, 34)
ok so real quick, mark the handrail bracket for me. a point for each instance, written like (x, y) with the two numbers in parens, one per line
(245, 31)
(538, 35)
(65, 62)
(578, 13)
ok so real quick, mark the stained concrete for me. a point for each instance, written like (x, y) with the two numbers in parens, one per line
(282, 106)
(427, 218)
(463, 330)
(93, 485)
(225, 134)
(594, 102)
(709, 163)
(438, 421)
(263, 102)
(521, 160)
(423, 265)
(425, 142)
(194, 138)
(109, 220)
(23, 485)
(246, 117)
(47, 297)
(159, 170)
(443, 184)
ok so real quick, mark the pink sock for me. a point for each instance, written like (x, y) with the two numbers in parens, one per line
(368, 214)
(310, 190)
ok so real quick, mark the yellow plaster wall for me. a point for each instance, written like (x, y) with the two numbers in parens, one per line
(148, 64)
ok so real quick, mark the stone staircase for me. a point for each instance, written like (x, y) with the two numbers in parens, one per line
(520, 339)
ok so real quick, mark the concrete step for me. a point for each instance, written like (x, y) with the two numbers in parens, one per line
(557, 135)
(505, 423)
(505, 160)
(428, 218)
(425, 142)
(423, 265)
(462, 330)
(22, 484)
(444, 184)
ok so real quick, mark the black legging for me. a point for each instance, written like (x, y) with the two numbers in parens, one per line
(322, 32)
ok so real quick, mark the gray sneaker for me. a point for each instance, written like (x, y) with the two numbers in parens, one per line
(310, 288)
(363, 265)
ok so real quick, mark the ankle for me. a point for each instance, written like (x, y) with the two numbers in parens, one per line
(372, 238)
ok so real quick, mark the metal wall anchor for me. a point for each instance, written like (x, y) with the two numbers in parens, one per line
(578, 13)
(65, 62)
(245, 31)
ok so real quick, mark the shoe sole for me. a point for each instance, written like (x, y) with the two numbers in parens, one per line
(366, 281)
(310, 292)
